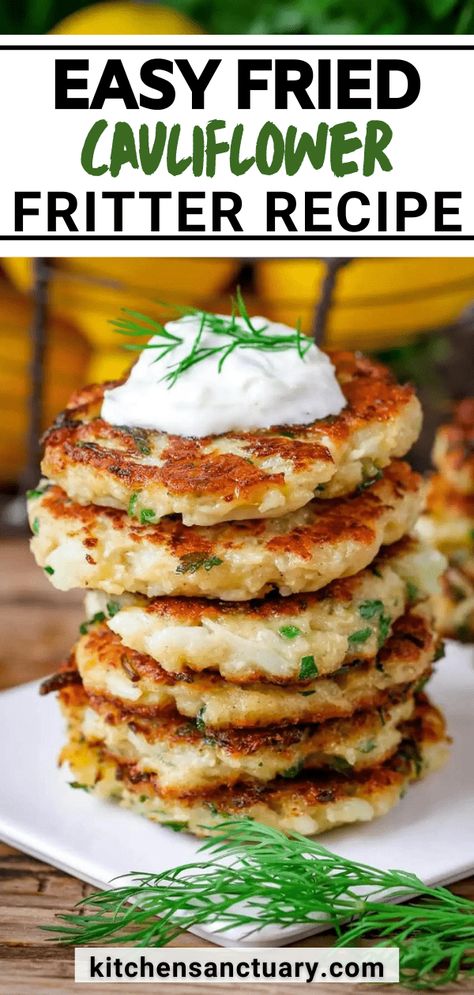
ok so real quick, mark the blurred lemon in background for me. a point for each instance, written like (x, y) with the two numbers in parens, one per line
(126, 19)
(66, 362)
(90, 292)
(377, 302)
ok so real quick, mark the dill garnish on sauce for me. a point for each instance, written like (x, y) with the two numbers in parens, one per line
(237, 331)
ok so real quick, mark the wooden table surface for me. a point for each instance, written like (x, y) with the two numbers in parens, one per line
(37, 627)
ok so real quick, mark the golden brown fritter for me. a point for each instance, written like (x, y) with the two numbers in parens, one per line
(187, 760)
(453, 452)
(454, 605)
(261, 474)
(267, 639)
(101, 548)
(138, 684)
(448, 520)
(310, 803)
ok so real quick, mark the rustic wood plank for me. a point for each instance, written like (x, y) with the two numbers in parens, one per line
(32, 892)
(37, 623)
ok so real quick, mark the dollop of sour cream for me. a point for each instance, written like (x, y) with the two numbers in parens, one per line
(254, 389)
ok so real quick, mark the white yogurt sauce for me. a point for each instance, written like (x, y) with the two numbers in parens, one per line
(255, 388)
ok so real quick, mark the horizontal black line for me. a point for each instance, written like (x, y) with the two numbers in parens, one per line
(236, 238)
(238, 48)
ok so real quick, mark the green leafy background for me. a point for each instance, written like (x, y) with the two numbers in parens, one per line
(275, 16)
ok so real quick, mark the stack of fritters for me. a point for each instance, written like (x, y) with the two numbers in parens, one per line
(449, 522)
(259, 621)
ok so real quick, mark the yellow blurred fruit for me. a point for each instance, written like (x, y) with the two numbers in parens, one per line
(108, 364)
(66, 361)
(126, 19)
(20, 272)
(91, 292)
(377, 302)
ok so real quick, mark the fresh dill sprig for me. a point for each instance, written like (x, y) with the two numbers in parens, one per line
(256, 876)
(236, 331)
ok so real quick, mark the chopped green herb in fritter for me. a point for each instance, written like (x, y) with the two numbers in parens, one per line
(308, 668)
(361, 636)
(85, 626)
(191, 562)
(289, 631)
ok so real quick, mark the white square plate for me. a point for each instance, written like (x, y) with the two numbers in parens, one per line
(430, 833)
